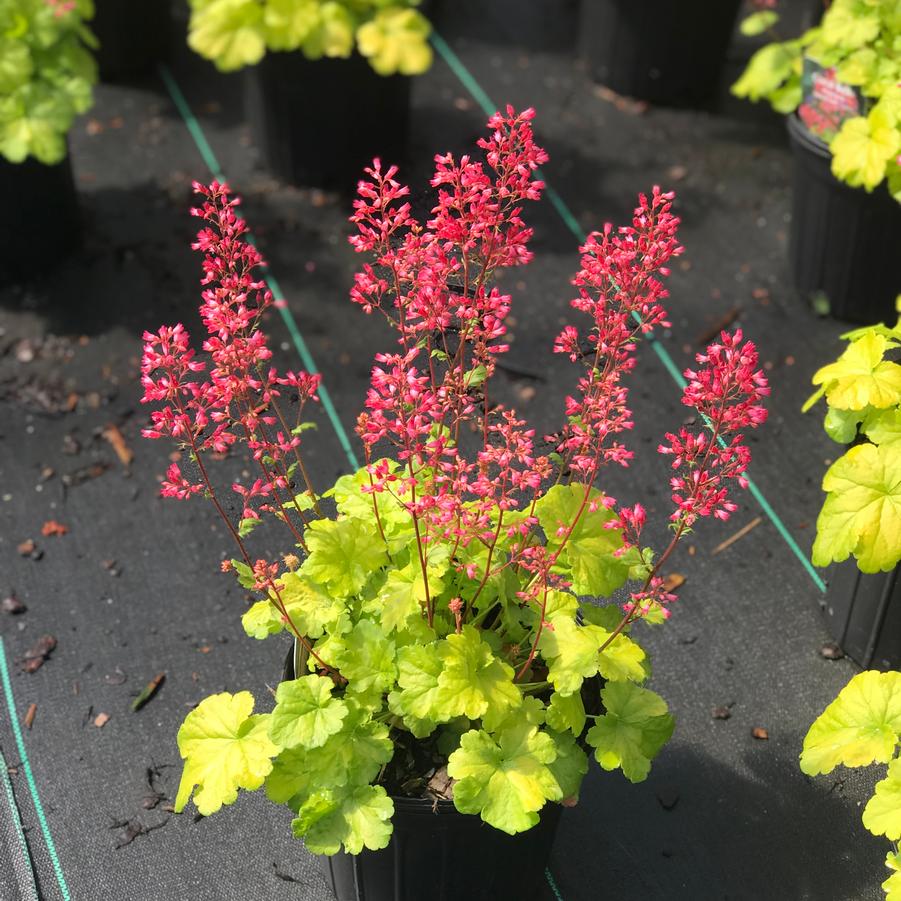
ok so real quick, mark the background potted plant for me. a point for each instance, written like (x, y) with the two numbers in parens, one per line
(445, 670)
(861, 515)
(47, 74)
(862, 726)
(662, 51)
(132, 36)
(839, 86)
(336, 68)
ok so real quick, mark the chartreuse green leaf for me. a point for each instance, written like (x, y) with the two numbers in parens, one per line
(571, 651)
(862, 511)
(342, 555)
(892, 885)
(418, 698)
(396, 40)
(861, 726)
(883, 426)
(262, 619)
(863, 148)
(506, 778)
(474, 682)
(350, 757)
(851, 25)
(566, 712)
(228, 32)
(767, 70)
(759, 22)
(224, 749)
(882, 815)
(311, 609)
(403, 596)
(860, 378)
(632, 731)
(841, 425)
(569, 766)
(367, 659)
(588, 557)
(357, 819)
(306, 713)
(333, 33)
(623, 660)
(288, 23)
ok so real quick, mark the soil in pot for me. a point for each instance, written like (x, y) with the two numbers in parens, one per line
(134, 36)
(319, 122)
(863, 613)
(437, 853)
(669, 52)
(844, 241)
(41, 222)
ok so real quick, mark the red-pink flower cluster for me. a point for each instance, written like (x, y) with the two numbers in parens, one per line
(237, 400)
(619, 290)
(727, 390)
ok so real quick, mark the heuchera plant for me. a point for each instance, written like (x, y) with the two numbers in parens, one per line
(434, 595)
(862, 511)
(391, 34)
(862, 40)
(860, 727)
(47, 74)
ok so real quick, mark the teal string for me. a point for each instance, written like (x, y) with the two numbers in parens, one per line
(468, 80)
(300, 345)
(29, 776)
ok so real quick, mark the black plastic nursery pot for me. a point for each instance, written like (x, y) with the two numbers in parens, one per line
(40, 224)
(863, 613)
(668, 52)
(134, 36)
(319, 122)
(437, 853)
(844, 241)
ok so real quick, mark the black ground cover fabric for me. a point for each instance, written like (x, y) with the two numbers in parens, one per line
(132, 589)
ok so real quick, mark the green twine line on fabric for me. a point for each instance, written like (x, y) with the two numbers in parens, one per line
(29, 776)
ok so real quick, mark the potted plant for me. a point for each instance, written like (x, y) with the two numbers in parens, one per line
(861, 516)
(662, 51)
(46, 79)
(839, 86)
(133, 36)
(446, 673)
(862, 726)
(338, 68)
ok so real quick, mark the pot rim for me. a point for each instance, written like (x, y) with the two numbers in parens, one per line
(802, 136)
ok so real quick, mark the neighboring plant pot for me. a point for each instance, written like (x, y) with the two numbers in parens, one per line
(844, 241)
(134, 36)
(669, 52)
(863, 613)
(40, 223)
(319, 122)
(437, 853)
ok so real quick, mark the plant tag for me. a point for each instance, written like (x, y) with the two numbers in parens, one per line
(827, 101)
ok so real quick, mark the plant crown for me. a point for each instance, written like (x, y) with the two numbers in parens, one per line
(860, 727)
(862, 511)
(46, 75)
(862, 40)
(391, 34)
(434, 595)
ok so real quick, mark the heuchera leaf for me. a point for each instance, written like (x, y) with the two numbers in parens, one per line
(892, 885)
(768, 68)
(588, 557)
(862, 511)
(474, 682)
(343, 555)
(759, 22)
(358, 819)
(305, 713)
(882, 815)
(505, 779)
(861, 726)
(863, 147)
(367, 660)
(624, 660)
(860, 378)
(883, 426)
(418, 699)
(571, 651)
(228, 32)
(569, 766)
(632, 731)
(396, 40)
(350, 757)
(566, 712)
(224, 749)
